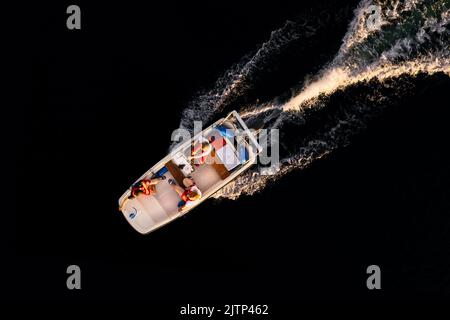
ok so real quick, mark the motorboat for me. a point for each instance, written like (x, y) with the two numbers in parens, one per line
(201, 165)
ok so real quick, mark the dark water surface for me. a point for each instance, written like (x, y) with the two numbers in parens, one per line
(105, 100)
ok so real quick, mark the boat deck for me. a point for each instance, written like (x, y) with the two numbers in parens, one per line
(225, 161)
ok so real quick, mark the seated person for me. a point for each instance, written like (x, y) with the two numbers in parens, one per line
(145, 186)
(200, 150)
(189, 196)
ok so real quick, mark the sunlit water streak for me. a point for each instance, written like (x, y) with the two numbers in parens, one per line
(412, 39)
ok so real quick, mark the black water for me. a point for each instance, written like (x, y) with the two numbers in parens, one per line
(104, 103)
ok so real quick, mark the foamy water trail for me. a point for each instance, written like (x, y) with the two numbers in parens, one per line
(360, 61)
(338, 78)
(236, 81)
(397, 58)
(412, 39)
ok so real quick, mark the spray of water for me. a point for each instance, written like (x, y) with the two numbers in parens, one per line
(402, 44)
(235, 82)
(412, 39)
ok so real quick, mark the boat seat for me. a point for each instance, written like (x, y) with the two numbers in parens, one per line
(167, 197)
(205, 176)
(153, 209)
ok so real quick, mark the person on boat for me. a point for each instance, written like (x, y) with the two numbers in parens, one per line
(200, 150)
(145, 186)
(189, 195)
